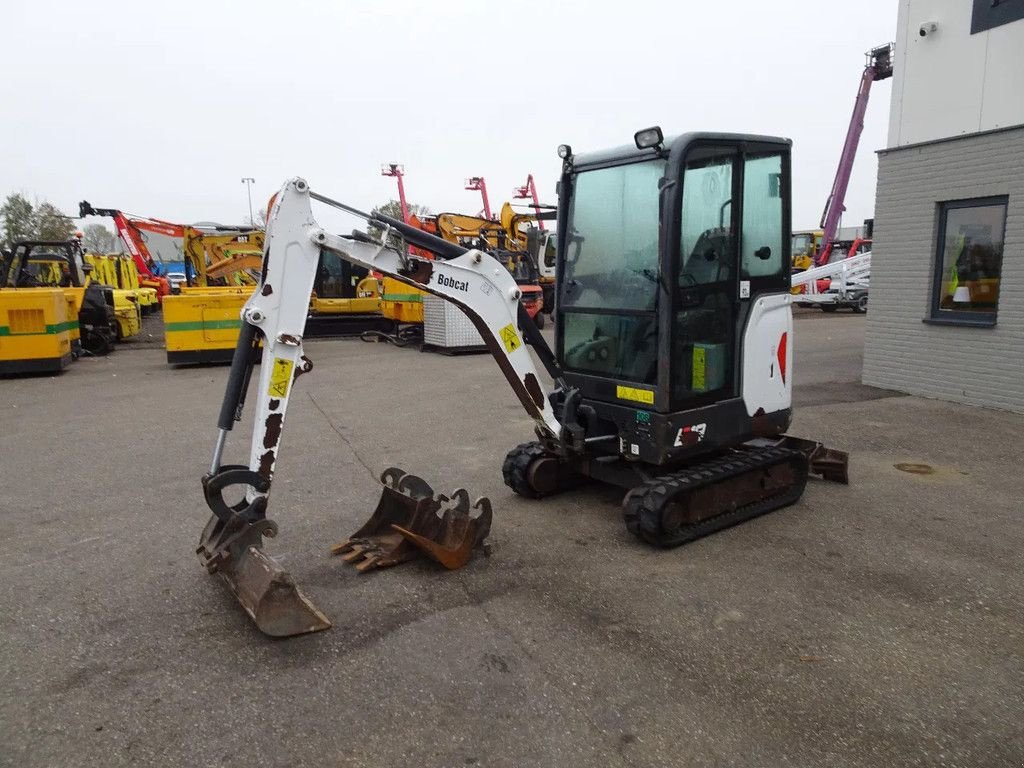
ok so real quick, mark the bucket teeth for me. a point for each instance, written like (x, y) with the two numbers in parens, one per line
(410, 520)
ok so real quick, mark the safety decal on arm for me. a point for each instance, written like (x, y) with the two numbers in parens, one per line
(511, 338)
(280, 377)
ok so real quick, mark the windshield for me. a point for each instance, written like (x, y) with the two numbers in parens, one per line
(39, 270)
(612, 258)
(610, 281)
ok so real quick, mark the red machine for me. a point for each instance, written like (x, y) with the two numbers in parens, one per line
(130, 232)
(477, 184)
(398, 171)
(529, 190)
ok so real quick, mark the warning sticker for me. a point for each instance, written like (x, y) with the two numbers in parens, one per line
(510, 338)
(280, 377)
(634, 394)
(700, 367)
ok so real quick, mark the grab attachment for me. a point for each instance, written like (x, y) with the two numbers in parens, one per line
(410, 520)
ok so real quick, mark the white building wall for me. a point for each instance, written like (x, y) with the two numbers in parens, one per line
(978, 366)
(951, 82)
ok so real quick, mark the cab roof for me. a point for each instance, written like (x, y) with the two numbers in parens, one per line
(630, 154)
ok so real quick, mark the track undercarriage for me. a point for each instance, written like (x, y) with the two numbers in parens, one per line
(668, 508)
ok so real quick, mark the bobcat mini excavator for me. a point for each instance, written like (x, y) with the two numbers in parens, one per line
(672, 369)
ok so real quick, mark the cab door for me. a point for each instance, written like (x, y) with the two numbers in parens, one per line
(732, 220)
(705, 285)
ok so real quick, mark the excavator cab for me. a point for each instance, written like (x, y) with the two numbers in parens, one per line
(676, 265)
(673, 338)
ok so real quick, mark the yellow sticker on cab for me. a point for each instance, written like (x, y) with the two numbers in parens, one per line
(700, 367)
(510, 338)
(635, 394)
(280, 377)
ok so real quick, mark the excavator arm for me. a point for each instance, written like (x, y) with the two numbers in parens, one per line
(275, 316)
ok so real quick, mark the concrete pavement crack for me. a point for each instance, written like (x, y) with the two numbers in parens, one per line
(340, 434)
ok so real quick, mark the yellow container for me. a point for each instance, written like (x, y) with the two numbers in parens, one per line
(201, 325)
(401, 302)
(36, 330)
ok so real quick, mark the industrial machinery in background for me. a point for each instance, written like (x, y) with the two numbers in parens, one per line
(841, 283)
(399, 303)
(201, 317)
(479, 184)
(224, 256)
(118, 270)
(503, 240)
(815, 247)
(131, 232)
(672, 369)
(405, 306)
(49, 308)
(540, 242)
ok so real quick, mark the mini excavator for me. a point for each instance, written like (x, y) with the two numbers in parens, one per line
(672, 369)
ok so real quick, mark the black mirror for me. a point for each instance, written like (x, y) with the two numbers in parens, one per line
(764, 253)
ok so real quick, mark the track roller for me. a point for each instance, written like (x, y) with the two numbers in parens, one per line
(682, 506)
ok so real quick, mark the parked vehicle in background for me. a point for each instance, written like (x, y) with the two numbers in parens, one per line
(176, 279)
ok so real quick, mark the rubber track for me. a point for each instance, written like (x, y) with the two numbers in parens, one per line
(516, 464)
(643, 506)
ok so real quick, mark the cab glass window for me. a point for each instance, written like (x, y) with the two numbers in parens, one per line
(761, 246)
(612, 249)
(706, 229)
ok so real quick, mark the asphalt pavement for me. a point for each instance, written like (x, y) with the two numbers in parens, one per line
(875, 624)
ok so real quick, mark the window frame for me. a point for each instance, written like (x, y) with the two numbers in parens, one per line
(975, 318)
(989, 14)
(567, 201)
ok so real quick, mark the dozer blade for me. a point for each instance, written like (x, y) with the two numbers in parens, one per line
(267, 592)
(408, 521)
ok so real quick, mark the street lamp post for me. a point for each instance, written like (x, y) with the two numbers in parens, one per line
(249, 181)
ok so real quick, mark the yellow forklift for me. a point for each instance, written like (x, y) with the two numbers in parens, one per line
(50, 309)
(119, 271)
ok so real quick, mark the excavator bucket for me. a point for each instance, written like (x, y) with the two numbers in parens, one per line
(451, 536)
(410, 520)
(233, 550)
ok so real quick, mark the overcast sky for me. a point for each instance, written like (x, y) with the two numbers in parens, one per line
(160, 108)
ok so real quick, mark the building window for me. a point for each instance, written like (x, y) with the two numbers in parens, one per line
(968, 261)
(994, 13)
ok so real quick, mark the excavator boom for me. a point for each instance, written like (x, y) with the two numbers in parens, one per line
(275, 316)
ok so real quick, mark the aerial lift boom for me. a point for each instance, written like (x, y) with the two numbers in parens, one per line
(478, 184)
(529, 190)
(398, 172)
(879, 67)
